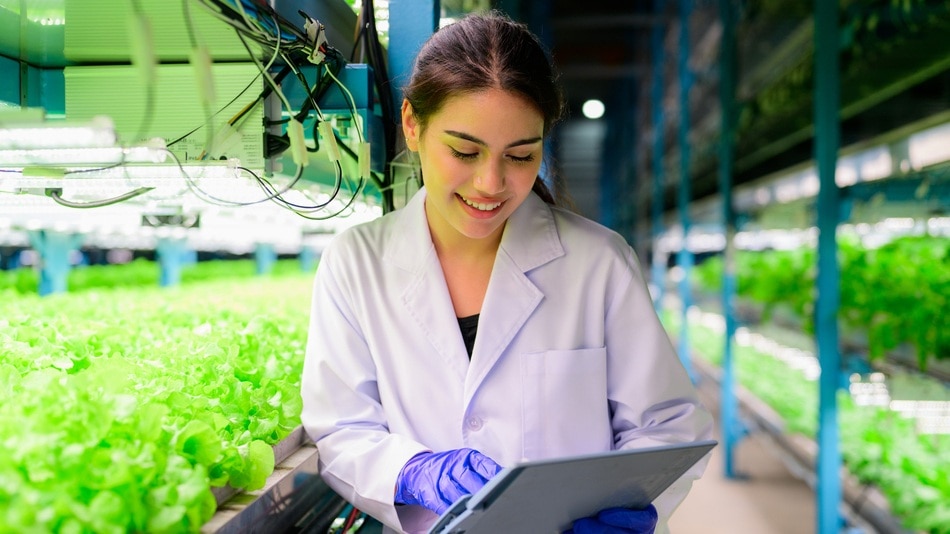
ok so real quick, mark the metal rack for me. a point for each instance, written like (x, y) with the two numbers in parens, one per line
(818, 189)
(294, 498)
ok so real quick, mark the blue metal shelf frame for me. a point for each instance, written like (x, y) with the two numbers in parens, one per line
(413, 21)
(54, 249)
(685, 257)
(732, 429)
(265, 256)
(656, 99)
(172, 255)
(827, 140)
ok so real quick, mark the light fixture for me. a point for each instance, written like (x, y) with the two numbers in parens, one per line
(99, 132)
(929, 147)
(72, 157)
(123, 176)
(593, 109)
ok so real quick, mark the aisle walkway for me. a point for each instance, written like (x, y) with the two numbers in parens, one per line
(770, 501)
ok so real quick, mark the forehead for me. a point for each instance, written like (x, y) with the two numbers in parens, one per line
(490, 113)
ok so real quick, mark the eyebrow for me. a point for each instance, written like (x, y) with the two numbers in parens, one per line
(465, 136)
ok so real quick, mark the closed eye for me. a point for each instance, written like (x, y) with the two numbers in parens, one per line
(522, 159)
(465, 156)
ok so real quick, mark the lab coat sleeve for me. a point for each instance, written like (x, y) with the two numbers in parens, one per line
(358, 457)
(652, 399)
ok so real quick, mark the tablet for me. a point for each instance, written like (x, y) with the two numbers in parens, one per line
(546, 496)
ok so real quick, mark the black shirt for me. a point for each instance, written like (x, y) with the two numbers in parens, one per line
(469, 326)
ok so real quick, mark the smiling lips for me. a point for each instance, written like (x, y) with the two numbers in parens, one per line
(481, 206)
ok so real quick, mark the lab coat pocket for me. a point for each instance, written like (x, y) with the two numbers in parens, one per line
(565, 409)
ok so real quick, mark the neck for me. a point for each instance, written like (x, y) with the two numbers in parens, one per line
(450, 243)
(462, 247)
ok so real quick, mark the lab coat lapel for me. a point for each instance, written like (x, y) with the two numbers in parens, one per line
(529, 241)
(425, 294)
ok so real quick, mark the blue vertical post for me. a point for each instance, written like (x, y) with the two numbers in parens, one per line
(731, 428)
(537, 15)
(685, 257)
(308, 259)
(413, 21)
(54, 249)
(656, 99)
(265, 256)
(610, 162)
(827, 139)
(10, 89)
(172, 255)
(629, 180)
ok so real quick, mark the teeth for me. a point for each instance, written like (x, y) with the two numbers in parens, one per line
(480, 206)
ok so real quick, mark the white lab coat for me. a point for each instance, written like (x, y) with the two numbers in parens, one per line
(569, 358)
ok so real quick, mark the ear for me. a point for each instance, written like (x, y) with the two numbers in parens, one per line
(410, 127)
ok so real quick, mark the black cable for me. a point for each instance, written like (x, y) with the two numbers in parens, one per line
(373, 47)
(266, 91)
(252, 22)
(335, 62)
(376, 180)
(211, 199)
(356, 192)
(261, 13)
(276, 144)
(278, 198)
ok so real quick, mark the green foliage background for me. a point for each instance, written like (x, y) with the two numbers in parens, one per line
(123, 407)
(896, 294)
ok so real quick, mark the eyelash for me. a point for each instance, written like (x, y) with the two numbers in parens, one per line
(463, 155)
(469, 157)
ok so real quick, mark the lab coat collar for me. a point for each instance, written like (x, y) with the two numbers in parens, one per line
(530, 240)
(531, 237)
(409, 244)
(425, 295)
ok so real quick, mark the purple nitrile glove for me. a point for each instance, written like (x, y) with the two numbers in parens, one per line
(617, 521)
(435, 480)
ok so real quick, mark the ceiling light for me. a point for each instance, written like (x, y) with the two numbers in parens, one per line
(593, 109)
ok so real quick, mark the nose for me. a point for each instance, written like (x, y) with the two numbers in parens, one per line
(491, 179)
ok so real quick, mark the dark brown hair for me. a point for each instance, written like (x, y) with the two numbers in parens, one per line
(485, 51)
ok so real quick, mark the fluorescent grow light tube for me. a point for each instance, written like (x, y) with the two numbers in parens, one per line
(97, 133)
(123, 176)
(72, 157)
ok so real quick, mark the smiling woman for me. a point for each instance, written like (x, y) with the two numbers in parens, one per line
(483, 325)
(480, 156)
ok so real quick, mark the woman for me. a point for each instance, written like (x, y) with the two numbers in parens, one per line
(481, 325)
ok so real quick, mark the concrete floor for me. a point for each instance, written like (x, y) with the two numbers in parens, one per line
(769, 500)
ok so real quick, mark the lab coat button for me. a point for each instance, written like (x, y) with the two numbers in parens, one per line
(474, 423)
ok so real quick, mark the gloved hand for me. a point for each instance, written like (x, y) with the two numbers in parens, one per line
(617, 521)
(435, 480)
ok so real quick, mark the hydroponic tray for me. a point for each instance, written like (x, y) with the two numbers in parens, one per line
(295, 460)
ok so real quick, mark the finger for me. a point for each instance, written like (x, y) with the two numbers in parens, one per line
(467, 479)
(637, 520)
(484, 465)
(433, 500)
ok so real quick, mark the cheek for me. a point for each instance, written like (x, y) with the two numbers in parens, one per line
(525, 175)
(443, 173)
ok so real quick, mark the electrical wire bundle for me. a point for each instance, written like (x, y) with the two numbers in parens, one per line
(257, 21)
(260, 24)
(367, 43)
(288, 47)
